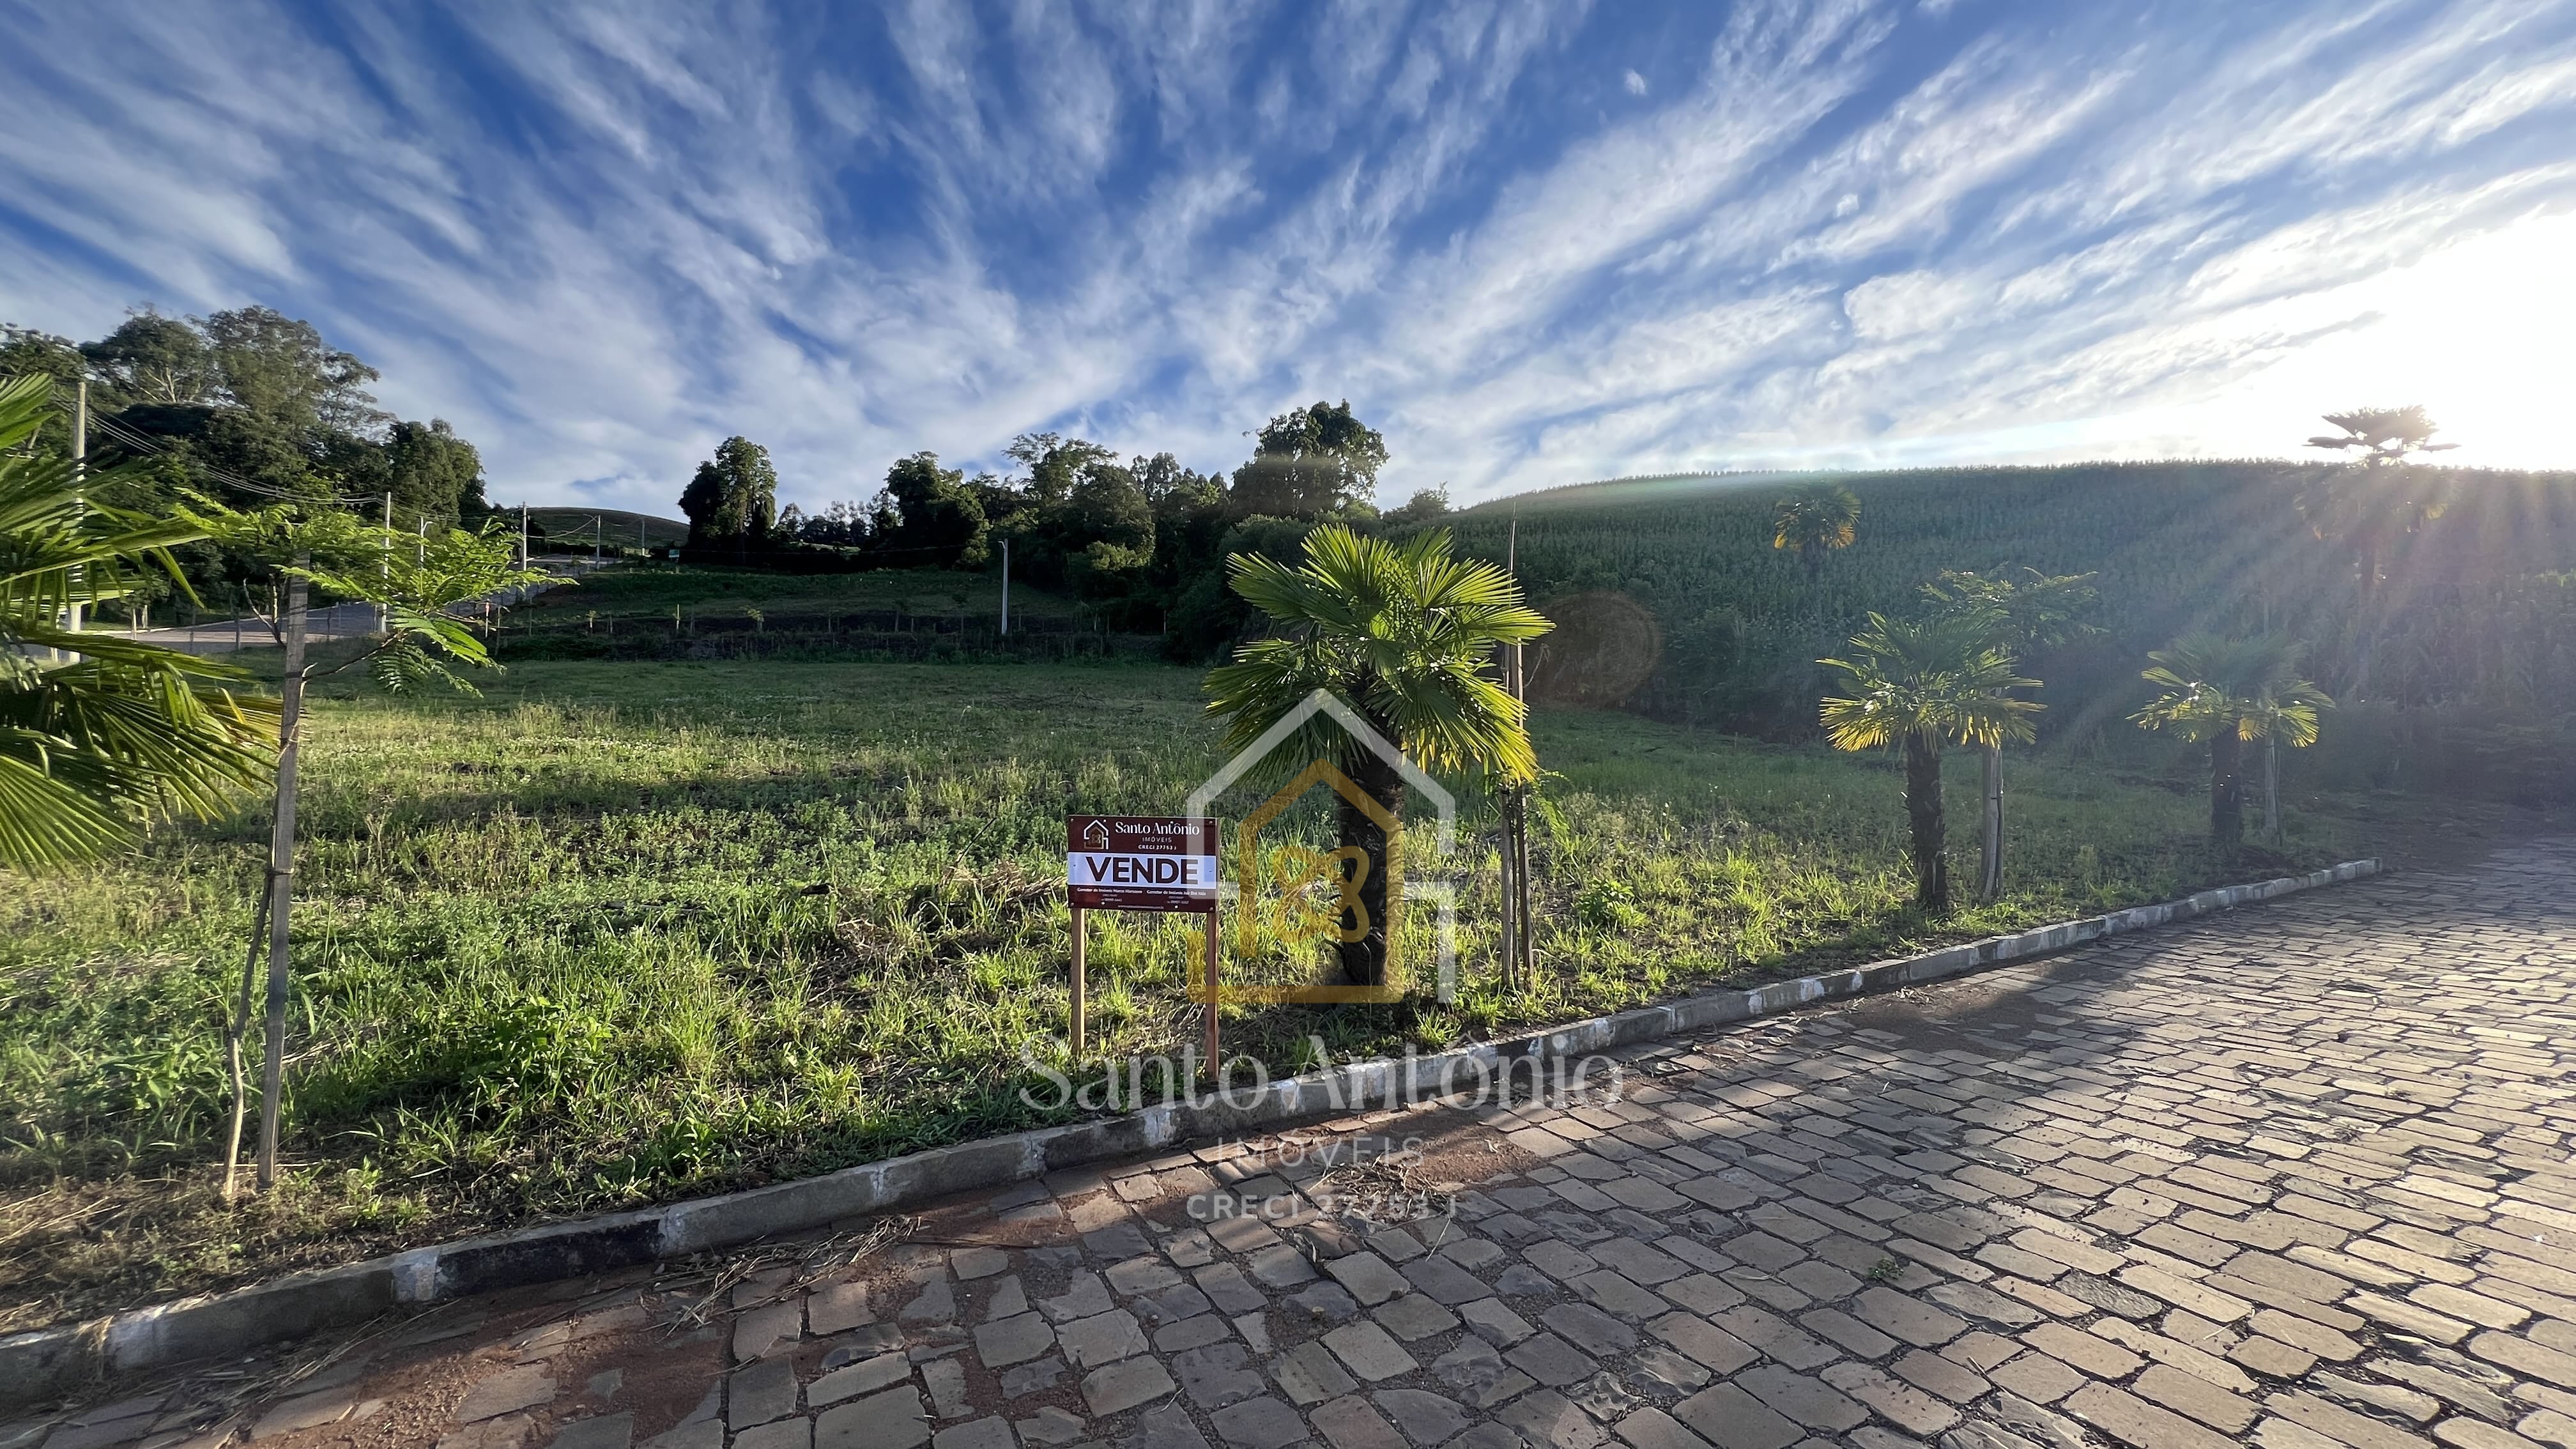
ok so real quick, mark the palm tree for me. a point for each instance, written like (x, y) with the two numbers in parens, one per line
(1919, 683)
(2228, 691)
(1404, 634)
(2369, 507)
(1815, 519)
(98, 734)
(2039, 611)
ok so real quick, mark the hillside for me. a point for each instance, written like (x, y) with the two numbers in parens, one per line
(2482, 601)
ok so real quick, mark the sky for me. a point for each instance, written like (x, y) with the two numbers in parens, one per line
(1534, 244)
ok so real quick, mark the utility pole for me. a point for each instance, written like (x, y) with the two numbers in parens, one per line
(598, 532)
(1006, 588)
(80, 482)
(385, 569)
(523, 535)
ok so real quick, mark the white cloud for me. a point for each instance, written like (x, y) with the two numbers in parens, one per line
(622, 233)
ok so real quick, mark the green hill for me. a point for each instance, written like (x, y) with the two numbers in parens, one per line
(1673, 601)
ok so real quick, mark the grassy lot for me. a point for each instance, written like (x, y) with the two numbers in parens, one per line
(619, 932)
(652, 590)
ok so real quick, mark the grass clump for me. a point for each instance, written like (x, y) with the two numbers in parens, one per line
(623, 932)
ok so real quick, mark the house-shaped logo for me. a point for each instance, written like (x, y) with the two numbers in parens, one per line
(1342, 869)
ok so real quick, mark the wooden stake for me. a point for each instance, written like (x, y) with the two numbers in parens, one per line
(1213, 998)
(1077, 983)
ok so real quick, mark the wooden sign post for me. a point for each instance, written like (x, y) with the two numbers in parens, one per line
(1142, 863)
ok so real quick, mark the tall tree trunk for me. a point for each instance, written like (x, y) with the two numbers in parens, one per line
(1923, 816)
(1990, 860)
(281, 881)
(1362, 945)
(2226, 788)
(2367, 624)
(2272, 785)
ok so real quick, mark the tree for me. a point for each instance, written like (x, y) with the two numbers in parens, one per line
(732, 502)
(1919, 683)
(1055, 463)
(279, 369)
(154, 358)
(434, 475)
(937, 521)
(2020, 616)
(2369, 508)
(2225, 692)
(422, 588)
(1310, 462)
(1815, 519)
(98, 734)
(1404, 634)
(1425, 506)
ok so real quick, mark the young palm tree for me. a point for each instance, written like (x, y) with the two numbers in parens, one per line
(2367, 510)
(1919, 683)
(1404, 634)
(2228, 691)
(2037, 611)
(1815, 519)
(98, 733)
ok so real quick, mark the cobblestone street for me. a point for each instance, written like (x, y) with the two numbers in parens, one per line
(2295, 1175)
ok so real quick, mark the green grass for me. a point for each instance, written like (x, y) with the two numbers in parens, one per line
(622, 932)
(650, 591)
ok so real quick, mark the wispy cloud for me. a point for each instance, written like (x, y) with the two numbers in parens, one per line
(1536, 243)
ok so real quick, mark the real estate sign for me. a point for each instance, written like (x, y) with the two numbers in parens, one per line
(1141, 863)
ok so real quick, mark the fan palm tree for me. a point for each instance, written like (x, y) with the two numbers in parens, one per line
(1815, 519)
(2037, 611)
(99, 733)
(1404, 634)
(2226, 692)
(1918, 684)
(2367, 509)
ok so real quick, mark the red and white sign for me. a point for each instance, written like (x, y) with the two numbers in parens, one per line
(1140, 863)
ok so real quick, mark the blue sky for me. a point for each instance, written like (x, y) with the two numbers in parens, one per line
(1534, 243)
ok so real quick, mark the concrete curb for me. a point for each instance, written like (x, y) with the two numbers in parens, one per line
(38, 1365)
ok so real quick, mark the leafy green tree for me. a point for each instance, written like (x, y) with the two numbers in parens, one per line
(1404, 634)
(2225, 692)
(2368, 509)
(1917, 684)
(98, 734)
(1815, 519)
(278, 369)
(1425, 506)
(732, 501)
(154, 358)
(435, 475)
(1311, 462)
(934, 519)
(1055, 464)
(1108, 523)
(2020, 616)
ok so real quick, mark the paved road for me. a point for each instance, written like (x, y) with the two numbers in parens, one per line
(222, 636)
(2296, 1176)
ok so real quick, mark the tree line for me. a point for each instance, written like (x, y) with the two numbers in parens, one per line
(1143, 541)
(248, 408)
